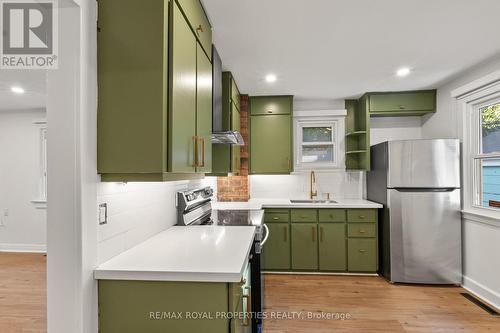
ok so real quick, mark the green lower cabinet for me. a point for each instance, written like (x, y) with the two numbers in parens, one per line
(277, 248)
(362, 254)
(332, 247)
(304, 246)
(142, 306)
(344, 240)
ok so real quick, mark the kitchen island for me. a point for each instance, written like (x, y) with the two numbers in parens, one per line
(185, 279)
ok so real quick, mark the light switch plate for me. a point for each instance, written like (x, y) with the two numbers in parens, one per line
(103, 213)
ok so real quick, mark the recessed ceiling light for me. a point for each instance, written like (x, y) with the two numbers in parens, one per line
(271, 78)
(17, 90)
(403, 71)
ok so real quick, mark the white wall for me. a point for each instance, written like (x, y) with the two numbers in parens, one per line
(24, 229)
(481, 241)
(394, 128)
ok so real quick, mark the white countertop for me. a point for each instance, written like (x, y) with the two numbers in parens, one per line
(285, 203)
(196, 253)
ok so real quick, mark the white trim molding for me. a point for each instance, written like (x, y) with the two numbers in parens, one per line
(23, 248)
(320, 113)
(477, 85)
(481, 291)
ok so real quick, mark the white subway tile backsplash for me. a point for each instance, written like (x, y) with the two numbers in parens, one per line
(136, 211)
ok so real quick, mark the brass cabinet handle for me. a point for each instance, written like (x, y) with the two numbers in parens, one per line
(285, 233)
(276, 218)
(199, 29)
(361, 216)
(402, 107)
(196, 153)
(202, 152)
(313, 229)
(362, 251)
(321, 234)
(361, 231)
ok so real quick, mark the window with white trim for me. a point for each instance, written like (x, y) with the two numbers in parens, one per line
(486, 155)
(317, 144)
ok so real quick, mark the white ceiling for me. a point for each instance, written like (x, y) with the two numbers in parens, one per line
(34, 82)
(335, 49)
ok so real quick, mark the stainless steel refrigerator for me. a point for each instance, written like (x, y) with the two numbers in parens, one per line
(418, 182)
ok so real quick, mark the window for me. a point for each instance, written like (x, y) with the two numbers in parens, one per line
(317, 143)
(486, 158)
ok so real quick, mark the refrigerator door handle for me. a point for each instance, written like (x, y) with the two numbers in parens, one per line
(419, 189)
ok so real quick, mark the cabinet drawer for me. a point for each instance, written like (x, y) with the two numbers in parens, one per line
(362, 255)
(331, 215)
(277, 215)
(198, 20)
(271, 105)
(304, 215)
(362, 215)
(235, 94)
(361, 230)
(418, 101)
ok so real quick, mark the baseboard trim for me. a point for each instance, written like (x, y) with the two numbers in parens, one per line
(28, 248)
(482, 292)
(318, 273)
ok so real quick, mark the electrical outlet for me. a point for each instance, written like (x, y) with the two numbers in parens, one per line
(3, 218)
(103, 213)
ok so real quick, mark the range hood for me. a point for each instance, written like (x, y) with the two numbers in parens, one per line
(219, 134)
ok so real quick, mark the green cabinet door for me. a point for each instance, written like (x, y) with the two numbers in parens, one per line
(235, 150)
(182, 134)
(267, 105)
(204, 111)
(332, 247)
(304, 246)
(402, 103)
(270, 144)
(277, 248)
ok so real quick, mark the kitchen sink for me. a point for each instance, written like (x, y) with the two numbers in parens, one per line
(313, 201)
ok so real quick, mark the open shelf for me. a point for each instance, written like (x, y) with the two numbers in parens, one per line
(356, 152)
(356, 133)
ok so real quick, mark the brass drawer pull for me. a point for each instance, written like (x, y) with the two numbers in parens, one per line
(362, 231)
(402, 107)
(199, 29)
(362, 251)
(276, 218)
(361, 216)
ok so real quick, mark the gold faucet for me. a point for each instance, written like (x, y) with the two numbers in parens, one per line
(312, 193)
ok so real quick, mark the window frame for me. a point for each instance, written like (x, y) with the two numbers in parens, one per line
(470, 99)
(334, 119)
(40, 201)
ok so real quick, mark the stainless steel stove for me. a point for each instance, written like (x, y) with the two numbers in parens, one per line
(194, 208)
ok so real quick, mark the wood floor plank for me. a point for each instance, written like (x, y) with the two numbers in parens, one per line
(23, 293)
(374, 305)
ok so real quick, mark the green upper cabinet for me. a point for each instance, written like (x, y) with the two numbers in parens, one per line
(404, 103)
(183, 143)
(226, 158)
(198, 21)
(271, 135)
(153, 123)
(260, 105)
(204, 111)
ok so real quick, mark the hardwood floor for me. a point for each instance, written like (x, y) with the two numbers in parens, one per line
(373, 305)
(22, 293)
